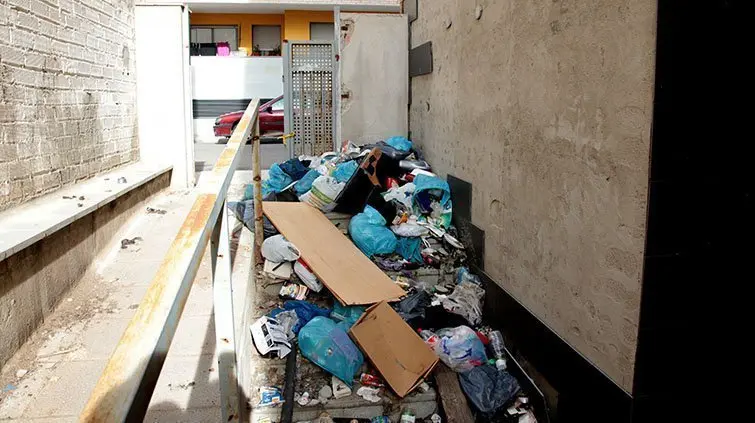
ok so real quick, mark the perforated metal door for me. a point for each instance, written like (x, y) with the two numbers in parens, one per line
(308, 93)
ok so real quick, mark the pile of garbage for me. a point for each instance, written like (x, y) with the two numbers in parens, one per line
(402, 221)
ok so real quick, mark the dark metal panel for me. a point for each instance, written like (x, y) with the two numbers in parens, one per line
(421, 59)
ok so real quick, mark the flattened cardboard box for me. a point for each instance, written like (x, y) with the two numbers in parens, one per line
(396, 351)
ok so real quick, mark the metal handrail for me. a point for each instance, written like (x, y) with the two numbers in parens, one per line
(125, 387)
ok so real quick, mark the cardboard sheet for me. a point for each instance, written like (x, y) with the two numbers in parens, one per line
(352, 277)
(396, 351)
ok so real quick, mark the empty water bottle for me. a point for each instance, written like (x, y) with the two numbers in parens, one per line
(496, 342)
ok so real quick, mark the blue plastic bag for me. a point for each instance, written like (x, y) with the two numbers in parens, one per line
(345, 170)
(399, 143)
(326, 344)
(410, 248)
(369, 233)
(304, 311)
(305, 183)
(429, 189)
(276, 182)
(346, 316)
(294, 168)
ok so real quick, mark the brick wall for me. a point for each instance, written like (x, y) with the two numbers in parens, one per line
(67, 93)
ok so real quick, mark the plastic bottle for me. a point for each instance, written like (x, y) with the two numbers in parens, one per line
(496, 342)
(408, 417)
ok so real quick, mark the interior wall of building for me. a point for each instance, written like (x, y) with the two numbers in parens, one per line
(546, 109)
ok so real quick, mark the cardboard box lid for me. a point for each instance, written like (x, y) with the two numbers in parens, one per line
(396, 351)
(350, 275)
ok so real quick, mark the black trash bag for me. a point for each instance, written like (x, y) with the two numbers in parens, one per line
(437, 317)
(488, 388)
(244, 211)
(414, 305)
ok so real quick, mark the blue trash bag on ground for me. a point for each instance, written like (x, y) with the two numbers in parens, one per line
(276, 182)
(346, 316)
(294, 168)
(345, 170)
(429, 189)
(304, 311)
(399, 143)
(488, 388)
(326, 344)
(410, 248)
(369, 233)
(305, 183)
(244, 211)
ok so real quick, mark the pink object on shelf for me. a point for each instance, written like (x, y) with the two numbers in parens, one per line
(224, 49)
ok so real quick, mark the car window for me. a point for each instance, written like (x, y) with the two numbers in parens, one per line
(278, 105)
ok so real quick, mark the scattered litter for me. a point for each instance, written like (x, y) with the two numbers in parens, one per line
(125, 242)
(294, 291)
(82, 198)
(325, 392)
(278, 271)
(499, 353)
(340, 389)
(269, 336)
(435, 418)
(277, 249)
(304, 310)
(369, 233)
(21, 373)
(399, 143)
(381, 419)
(323, 193)
(304, 273)
(9, 387)
(459, 348)
(80, 204)
(122, 180)
(152, 210)
(270, 396)
(488, 388)
(369, 394)
(303, 399)
(277, 181)
(346, 315)
(408, 417)
(424, 387)
(288, 321)
(326, 344)
(371, 380)
(181, 386)
(69, 299)
(264, 420)
(466, 301)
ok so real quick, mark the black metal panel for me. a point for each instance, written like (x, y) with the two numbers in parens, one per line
(214, 108)
(421, 59)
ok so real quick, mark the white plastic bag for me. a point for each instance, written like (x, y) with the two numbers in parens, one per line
(323, 194)
(307, 277)
(402, 194)
(277, 249)
(410, 229)
(459, 348)
(466, 301)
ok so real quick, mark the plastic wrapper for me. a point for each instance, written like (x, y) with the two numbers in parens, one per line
(369, 233)
(307, 277)
(276, 181)
(410, 249)
(488, 388)
(466, 301)
(399, 143)
(464, 275)
(459, 348)
(277, 249)
(323, 193)
(345, 170)
(326, 344)
(402, 194)
(305, 183)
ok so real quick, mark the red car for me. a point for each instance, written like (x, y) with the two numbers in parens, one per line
(270, 116)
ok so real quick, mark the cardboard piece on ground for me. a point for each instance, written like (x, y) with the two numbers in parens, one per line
(396, 351)
(352, 277)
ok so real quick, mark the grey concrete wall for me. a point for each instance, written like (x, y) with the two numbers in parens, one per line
(545, 107)
(67, 93)
(35, 279)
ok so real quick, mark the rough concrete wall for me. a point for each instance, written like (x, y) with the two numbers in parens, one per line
(67, 93)
(35, 279)
(545, 107)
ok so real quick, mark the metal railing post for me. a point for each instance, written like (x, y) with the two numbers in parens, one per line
(225, 339)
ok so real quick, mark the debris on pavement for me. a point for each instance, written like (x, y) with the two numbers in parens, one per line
(270, 396)
(125, 242)
(151, 210)
(21, 373)
(377, 286)
(122, 180)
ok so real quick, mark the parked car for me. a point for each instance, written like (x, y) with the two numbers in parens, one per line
(270, 116)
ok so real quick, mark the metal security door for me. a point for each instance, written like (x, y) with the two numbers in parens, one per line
(308, 91)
